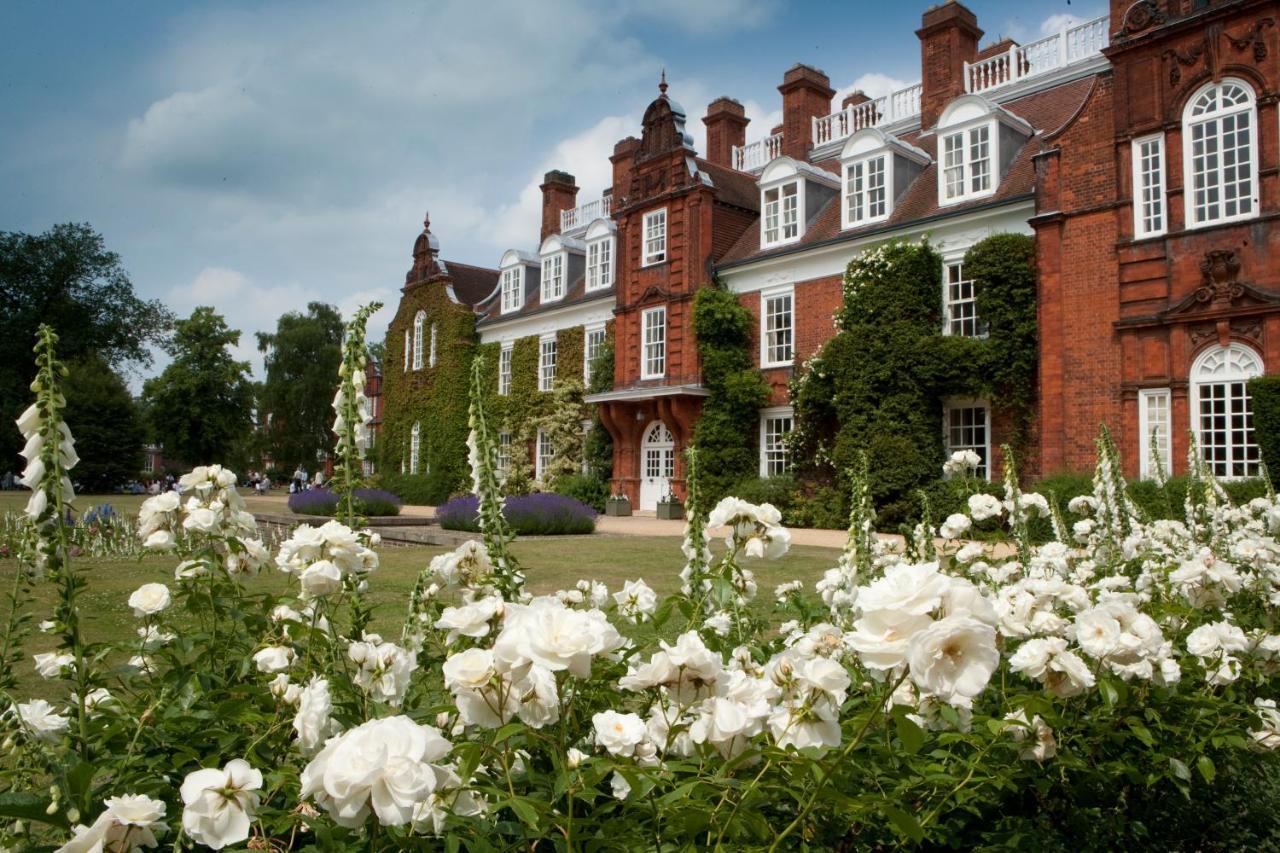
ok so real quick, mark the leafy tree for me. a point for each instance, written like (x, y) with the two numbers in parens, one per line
(201, 407)
(67, 278)
(302, 357)
(106, 423)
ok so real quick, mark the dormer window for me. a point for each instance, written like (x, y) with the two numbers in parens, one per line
(977, 142)
(878, 169)
(553, 277)
(512, 289)
(791, 193)
(600, 250)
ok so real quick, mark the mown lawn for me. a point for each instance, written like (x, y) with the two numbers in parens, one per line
(550, 563)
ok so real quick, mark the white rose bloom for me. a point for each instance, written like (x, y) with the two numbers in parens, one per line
(469, 670)
(159, 540)
(52, 664)
(618, 733)
(547, 633)
(149, 599)
(574, 758)
(719, 622)
(881, 637)
(42, 719)
(907, 589)
(314, 721)
(1268, 736)
(956, 525)
(321, 578)
(1082, 505)
(471, 620)
(620, 787)
(219, 805)
(383, 765)
(385, 668)
(982, 507)
(636, 601)
(1038, 737)
(129, 822)
(273, 659)
(954, 658)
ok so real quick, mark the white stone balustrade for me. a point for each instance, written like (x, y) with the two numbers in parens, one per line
(1069, 46)
(584, 214)
(888, 109)
(754, 156)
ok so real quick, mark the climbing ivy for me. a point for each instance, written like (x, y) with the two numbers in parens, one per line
(725, 435)
(880, 383)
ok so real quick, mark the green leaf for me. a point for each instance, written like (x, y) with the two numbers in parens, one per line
(903, 822)
(524, 811)
(20, 805)
(1205, 765)
(507, 731)
(1179, 769)
(911, 735)
(1109, 692)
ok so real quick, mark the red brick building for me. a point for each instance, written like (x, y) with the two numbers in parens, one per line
(1141, 150)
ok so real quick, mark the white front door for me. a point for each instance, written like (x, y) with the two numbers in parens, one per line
(657, 464)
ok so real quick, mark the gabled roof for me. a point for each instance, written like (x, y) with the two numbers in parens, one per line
(1046, 111)
(490, 310)
(472, 284)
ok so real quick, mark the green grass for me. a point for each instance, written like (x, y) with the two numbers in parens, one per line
(128, 504)
(549, 564)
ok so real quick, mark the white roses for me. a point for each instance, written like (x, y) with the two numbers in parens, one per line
(149, 599)
(219, 805)
(130, 822)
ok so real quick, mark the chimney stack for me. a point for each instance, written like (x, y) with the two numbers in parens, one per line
(949, 37)
(623, 157)
(726, 122)
(559, 192)
(806, 94)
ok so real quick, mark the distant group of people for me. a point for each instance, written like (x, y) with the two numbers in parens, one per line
(260, 483)
(302, 480)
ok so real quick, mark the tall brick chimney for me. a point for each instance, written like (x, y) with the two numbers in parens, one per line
(726, 122)
(559, 192)
(806, 94)
(623, 157)
(949, 37)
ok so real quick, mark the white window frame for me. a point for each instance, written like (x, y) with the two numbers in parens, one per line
(863, 215)
(600, 264)
(1198, 381)
(653, 349)
(966, 161)
(540, 456)
(654, 234)
(513, 289)
(776, 234)
(767, 346)
(980, 330)
(504, 369)
(431, 355)
(553, 273)
(1189, 122)
(595, 329)
(1147, 397)
(776, 413)
(408, 345)
(1150, 166)
(547, 356)
(957, 403)
(415, 447)
(419, 326)
(503, 460)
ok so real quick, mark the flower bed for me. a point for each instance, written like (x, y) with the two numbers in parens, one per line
(371, 503)
(542, 514)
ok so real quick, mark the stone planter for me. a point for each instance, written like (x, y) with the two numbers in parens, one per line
(670, 510)
(617, 507)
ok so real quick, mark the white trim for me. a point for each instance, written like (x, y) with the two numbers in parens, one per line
(431, 355)
(511, 286)
(659, 344)
(647, 259)
(415, 448)
(647, 393)
(781, 188)
(509, 329)
(766, 295)
(1197, 382)
(407, 347)
(419, 325)
(1139, 187)
(604, 269)
(554, 259)
(886, 186)
(504, 369)
(766, 415)
(1188, 176)
(965, 131)
(952, 403)
(587, 332)
(540, 459)
(547, 382)
(1145, 397)
(957, 259)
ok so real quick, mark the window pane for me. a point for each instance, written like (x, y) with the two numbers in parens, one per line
(966, 429)
(778, 329)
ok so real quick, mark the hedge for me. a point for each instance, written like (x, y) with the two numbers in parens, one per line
(1264, 397)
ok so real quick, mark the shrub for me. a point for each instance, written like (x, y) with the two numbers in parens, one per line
(585, 488)
(373, 503)
(431, 489)
(539, 514)
(1264, 395)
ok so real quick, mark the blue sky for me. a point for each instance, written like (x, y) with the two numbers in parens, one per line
(255, 156)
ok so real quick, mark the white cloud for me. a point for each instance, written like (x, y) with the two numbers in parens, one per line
(873, 84)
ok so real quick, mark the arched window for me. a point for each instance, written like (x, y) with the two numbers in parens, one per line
(431, 357)
(407, 346)
(1220, 153)
(415, 444)
(419, 321)
(1221, 414)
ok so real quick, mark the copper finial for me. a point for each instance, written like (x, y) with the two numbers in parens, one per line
(662, 85)
(426, 221)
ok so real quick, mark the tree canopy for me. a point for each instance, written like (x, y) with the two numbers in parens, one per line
(67, 278)
(201, 406)
(104, 419)
(301, 357)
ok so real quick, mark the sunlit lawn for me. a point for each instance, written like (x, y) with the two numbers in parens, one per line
(550, 564)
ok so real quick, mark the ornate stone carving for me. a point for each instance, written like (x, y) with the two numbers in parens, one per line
(1253, 38)
(1201, 333)
(1220, 274)
(1250, 328)
(1140, 16)
(1176, 59)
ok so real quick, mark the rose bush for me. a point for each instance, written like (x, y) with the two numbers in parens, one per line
(1114, 687)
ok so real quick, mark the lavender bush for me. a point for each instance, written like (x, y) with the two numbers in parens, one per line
(541, 514)
(369, 502)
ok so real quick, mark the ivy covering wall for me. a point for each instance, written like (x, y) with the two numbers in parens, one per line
(881, 382)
